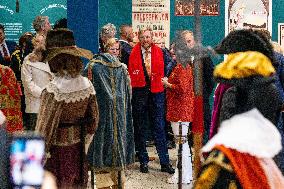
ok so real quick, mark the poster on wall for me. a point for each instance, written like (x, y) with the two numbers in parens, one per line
(18, 19)
(154, 14)
(281, 34)
(241, 14)
(207, 7)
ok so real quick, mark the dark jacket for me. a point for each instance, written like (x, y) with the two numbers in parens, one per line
(11, 48)
(279, 82)
(251, 92)
(208, 82)
(279, 58)
(125, 52)
(169, 62)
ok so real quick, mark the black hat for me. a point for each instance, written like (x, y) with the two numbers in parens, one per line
(245, 40)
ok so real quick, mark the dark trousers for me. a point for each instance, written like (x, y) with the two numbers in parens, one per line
(142, 101)
(31, 121)
(207, 119)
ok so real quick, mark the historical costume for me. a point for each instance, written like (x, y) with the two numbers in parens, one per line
(218, 96)
(238, 160)
(235, 152)
(112, 148)
(68, 113)
(10, 99)
(279, 159)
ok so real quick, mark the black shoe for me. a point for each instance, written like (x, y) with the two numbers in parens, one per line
(136, 158)
(167, 168)
(144, 168)
(150, 143)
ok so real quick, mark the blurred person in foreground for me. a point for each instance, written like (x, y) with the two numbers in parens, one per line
(279, 82)
(68, 113)
(48, 180)
(252, 104)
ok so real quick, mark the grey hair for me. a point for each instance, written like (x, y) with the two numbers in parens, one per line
(39, 22)
(184, 53)
(108, 30)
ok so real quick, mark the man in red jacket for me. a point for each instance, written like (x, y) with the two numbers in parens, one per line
(146, 70)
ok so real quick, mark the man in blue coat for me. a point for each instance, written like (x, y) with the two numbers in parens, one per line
(126, 38)
(6, 48)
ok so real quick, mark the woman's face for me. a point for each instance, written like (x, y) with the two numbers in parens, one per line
(114, 50)
(172, 52)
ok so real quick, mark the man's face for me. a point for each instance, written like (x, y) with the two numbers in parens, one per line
(146, 39)
(189, 40)
(2, 35)
(129, 34)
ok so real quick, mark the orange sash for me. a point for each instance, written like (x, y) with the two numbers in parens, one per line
(247, 168)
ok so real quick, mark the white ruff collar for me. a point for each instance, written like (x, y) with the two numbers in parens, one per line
(70, 89)
(249, 132)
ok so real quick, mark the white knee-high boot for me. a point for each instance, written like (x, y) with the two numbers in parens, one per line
(186, 156)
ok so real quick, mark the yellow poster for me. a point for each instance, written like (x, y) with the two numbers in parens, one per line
(154, 14)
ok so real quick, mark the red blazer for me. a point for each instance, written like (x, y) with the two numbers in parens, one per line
(180, 98)
(136, 72)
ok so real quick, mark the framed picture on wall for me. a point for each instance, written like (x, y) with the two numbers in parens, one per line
(241, 14)
(281, 34)
(207, 7)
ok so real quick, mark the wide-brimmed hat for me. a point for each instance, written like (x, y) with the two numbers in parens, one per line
(245, 40)
(62, 41)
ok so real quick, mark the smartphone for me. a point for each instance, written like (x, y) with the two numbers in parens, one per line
(26, 160)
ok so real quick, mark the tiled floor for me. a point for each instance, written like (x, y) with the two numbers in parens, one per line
(154, 179)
